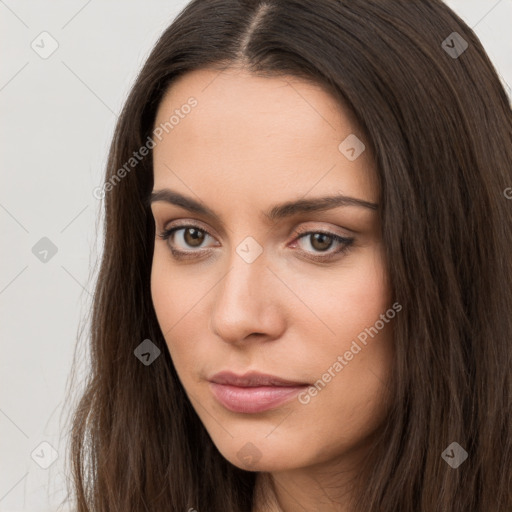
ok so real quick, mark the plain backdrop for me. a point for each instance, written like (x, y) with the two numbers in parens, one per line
(57, 118)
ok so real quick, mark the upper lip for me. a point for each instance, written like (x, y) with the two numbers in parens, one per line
(252, 379)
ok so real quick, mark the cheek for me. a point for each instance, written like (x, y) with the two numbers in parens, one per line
(351, 364)
(172, 298)
(174, 290)
(163, 293)
(180, 296)
(350, 301)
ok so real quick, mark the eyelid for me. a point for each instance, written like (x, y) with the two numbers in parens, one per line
(184, 223)
(303, 229)
(307, 228)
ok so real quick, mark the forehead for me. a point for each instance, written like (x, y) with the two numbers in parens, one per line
(257, 134)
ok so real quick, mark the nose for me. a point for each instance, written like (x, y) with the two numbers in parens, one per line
(247, 303)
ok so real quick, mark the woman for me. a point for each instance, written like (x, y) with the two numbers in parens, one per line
(305, 293)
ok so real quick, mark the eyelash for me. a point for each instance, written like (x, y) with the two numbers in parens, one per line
(346, 243)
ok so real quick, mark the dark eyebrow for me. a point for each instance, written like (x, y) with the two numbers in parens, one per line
(278, 211)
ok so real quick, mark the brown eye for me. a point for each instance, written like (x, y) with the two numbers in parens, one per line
(181, 238)
(321, 241)
(193, 237)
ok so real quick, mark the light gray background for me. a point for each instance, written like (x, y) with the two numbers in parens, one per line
(58, 115)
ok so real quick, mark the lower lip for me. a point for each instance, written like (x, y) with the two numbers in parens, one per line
(255, 399)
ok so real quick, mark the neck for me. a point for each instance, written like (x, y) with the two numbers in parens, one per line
(325, 488)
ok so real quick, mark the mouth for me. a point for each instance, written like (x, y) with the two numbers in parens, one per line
(253, 392)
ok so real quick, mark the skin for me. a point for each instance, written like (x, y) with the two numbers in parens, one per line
(250, 143)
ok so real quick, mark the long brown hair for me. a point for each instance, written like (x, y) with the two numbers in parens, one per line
(439, 124)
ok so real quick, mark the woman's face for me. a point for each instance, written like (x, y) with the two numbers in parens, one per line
(252, 293)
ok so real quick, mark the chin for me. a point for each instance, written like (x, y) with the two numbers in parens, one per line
(260, 455)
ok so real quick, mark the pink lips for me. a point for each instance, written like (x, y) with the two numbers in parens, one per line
(252, 392)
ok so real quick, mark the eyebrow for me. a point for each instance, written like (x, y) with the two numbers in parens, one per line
(278, 211)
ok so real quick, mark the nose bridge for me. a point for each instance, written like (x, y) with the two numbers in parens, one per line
(243, 296)
(245, 278)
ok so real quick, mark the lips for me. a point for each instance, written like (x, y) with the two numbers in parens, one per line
(253, 392)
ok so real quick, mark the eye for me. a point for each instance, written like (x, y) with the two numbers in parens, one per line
(322, 241)
(192, 236)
